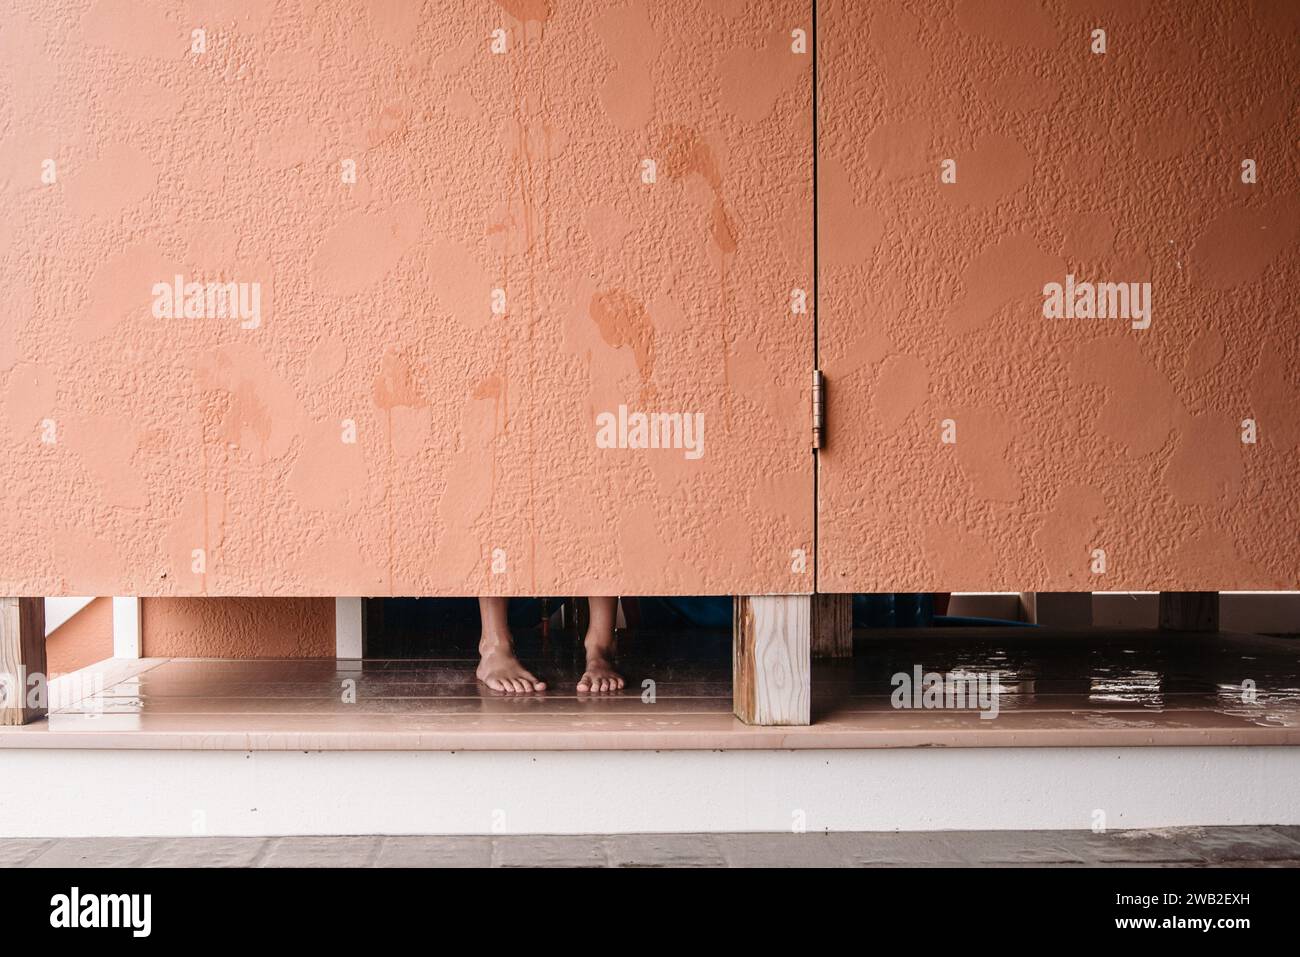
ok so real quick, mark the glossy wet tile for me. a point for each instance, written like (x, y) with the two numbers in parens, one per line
(1054, 688)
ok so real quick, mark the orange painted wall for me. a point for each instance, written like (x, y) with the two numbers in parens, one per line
(1072, 435)
(195, 457)
(82, 640)
(238, 627)
(210, 456)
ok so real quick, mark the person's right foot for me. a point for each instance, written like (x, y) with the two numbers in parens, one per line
(500, 670)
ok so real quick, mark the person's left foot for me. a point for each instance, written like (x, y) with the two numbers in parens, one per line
(600, 676)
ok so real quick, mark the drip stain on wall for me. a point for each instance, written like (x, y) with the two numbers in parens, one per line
(480, 172)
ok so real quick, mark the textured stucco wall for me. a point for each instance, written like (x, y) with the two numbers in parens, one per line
(238, 627)
(82, 640)
(130, 442)
(133, 443)
(1072, 435)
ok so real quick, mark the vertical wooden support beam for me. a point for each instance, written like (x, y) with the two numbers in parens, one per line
(772, 661)
(1062, 609)
(832, 626)
(1189, 610)
(22, 658)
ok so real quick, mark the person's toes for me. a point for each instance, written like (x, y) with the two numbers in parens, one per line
(584, 683)
(496, 684)
(518, 684)
(539, 685)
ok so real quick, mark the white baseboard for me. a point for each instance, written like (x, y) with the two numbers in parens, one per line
(179, 793)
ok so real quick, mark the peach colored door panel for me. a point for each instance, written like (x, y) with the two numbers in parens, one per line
(1057, 315)
(315, 298)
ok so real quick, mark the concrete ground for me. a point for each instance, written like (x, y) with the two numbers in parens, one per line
(1171, 847)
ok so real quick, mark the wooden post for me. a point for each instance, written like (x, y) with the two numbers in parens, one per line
(1062, 609)
(832, 626)
(772, 664)
(1189, 610)
(22, 658)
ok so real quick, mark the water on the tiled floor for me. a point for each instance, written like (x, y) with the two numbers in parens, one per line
(1081, 687)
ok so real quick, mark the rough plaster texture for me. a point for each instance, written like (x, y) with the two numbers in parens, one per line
(238, 627)
(1071, 434)
(131, 441)
(82, 640)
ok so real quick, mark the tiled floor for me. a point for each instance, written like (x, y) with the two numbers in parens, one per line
(1174, 847)
(1070, 688)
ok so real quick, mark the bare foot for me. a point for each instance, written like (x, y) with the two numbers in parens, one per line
(500, 670)
(600, 676)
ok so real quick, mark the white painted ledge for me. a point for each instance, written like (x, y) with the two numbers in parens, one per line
(180, 793)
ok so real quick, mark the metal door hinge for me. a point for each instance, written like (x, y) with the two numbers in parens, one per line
(818, 409)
